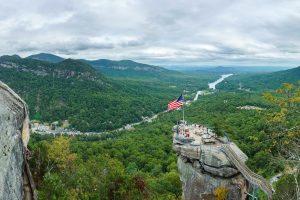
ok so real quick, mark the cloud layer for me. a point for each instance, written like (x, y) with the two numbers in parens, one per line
(215, 32)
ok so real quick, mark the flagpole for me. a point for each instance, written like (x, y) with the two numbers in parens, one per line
(183, 107)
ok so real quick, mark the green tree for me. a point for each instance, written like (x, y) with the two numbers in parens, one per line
(284, 126)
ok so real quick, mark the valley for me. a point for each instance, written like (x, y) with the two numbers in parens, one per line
(145, 152)
(59, 130)
(138, 153)
(55, 93)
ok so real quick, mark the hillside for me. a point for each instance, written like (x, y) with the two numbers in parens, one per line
(130, 69)
(66, 69)
(76, 91)
(262, 81)
(46, 57)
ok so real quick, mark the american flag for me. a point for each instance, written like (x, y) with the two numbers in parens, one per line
(173, 105)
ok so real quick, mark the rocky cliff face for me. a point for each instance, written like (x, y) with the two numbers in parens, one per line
(205, 168)
(14, 136)
(199, 184)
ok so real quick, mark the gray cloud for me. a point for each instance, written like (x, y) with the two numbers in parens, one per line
(215, 32)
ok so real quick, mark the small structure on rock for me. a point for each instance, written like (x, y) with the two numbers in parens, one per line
(207, 162)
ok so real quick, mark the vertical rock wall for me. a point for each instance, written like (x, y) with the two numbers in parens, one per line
(13, 126)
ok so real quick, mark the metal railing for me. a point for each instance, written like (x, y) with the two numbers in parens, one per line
(252, 177)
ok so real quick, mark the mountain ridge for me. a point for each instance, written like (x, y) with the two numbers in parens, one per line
(262, 81)
(67, 68)
(123, 65)
(46, 57)
(115, 68)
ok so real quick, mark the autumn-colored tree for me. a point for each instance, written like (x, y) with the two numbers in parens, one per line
(59, 154)
(221, 193)
(284, 128)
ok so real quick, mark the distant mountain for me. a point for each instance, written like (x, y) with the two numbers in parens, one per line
(129, 69)
(228, 70)
(263, 81)
(293, 73)
(116, 69)
(46, 57)
(273, 80)
(124, 65)
(220, 70)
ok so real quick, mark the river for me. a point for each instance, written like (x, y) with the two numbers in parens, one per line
(213, 84)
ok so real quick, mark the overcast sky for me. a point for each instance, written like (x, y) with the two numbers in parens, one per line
(195, 32)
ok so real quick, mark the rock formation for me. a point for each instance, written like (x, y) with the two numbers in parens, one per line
(199, 184)
(207, 163)
(15, 177)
